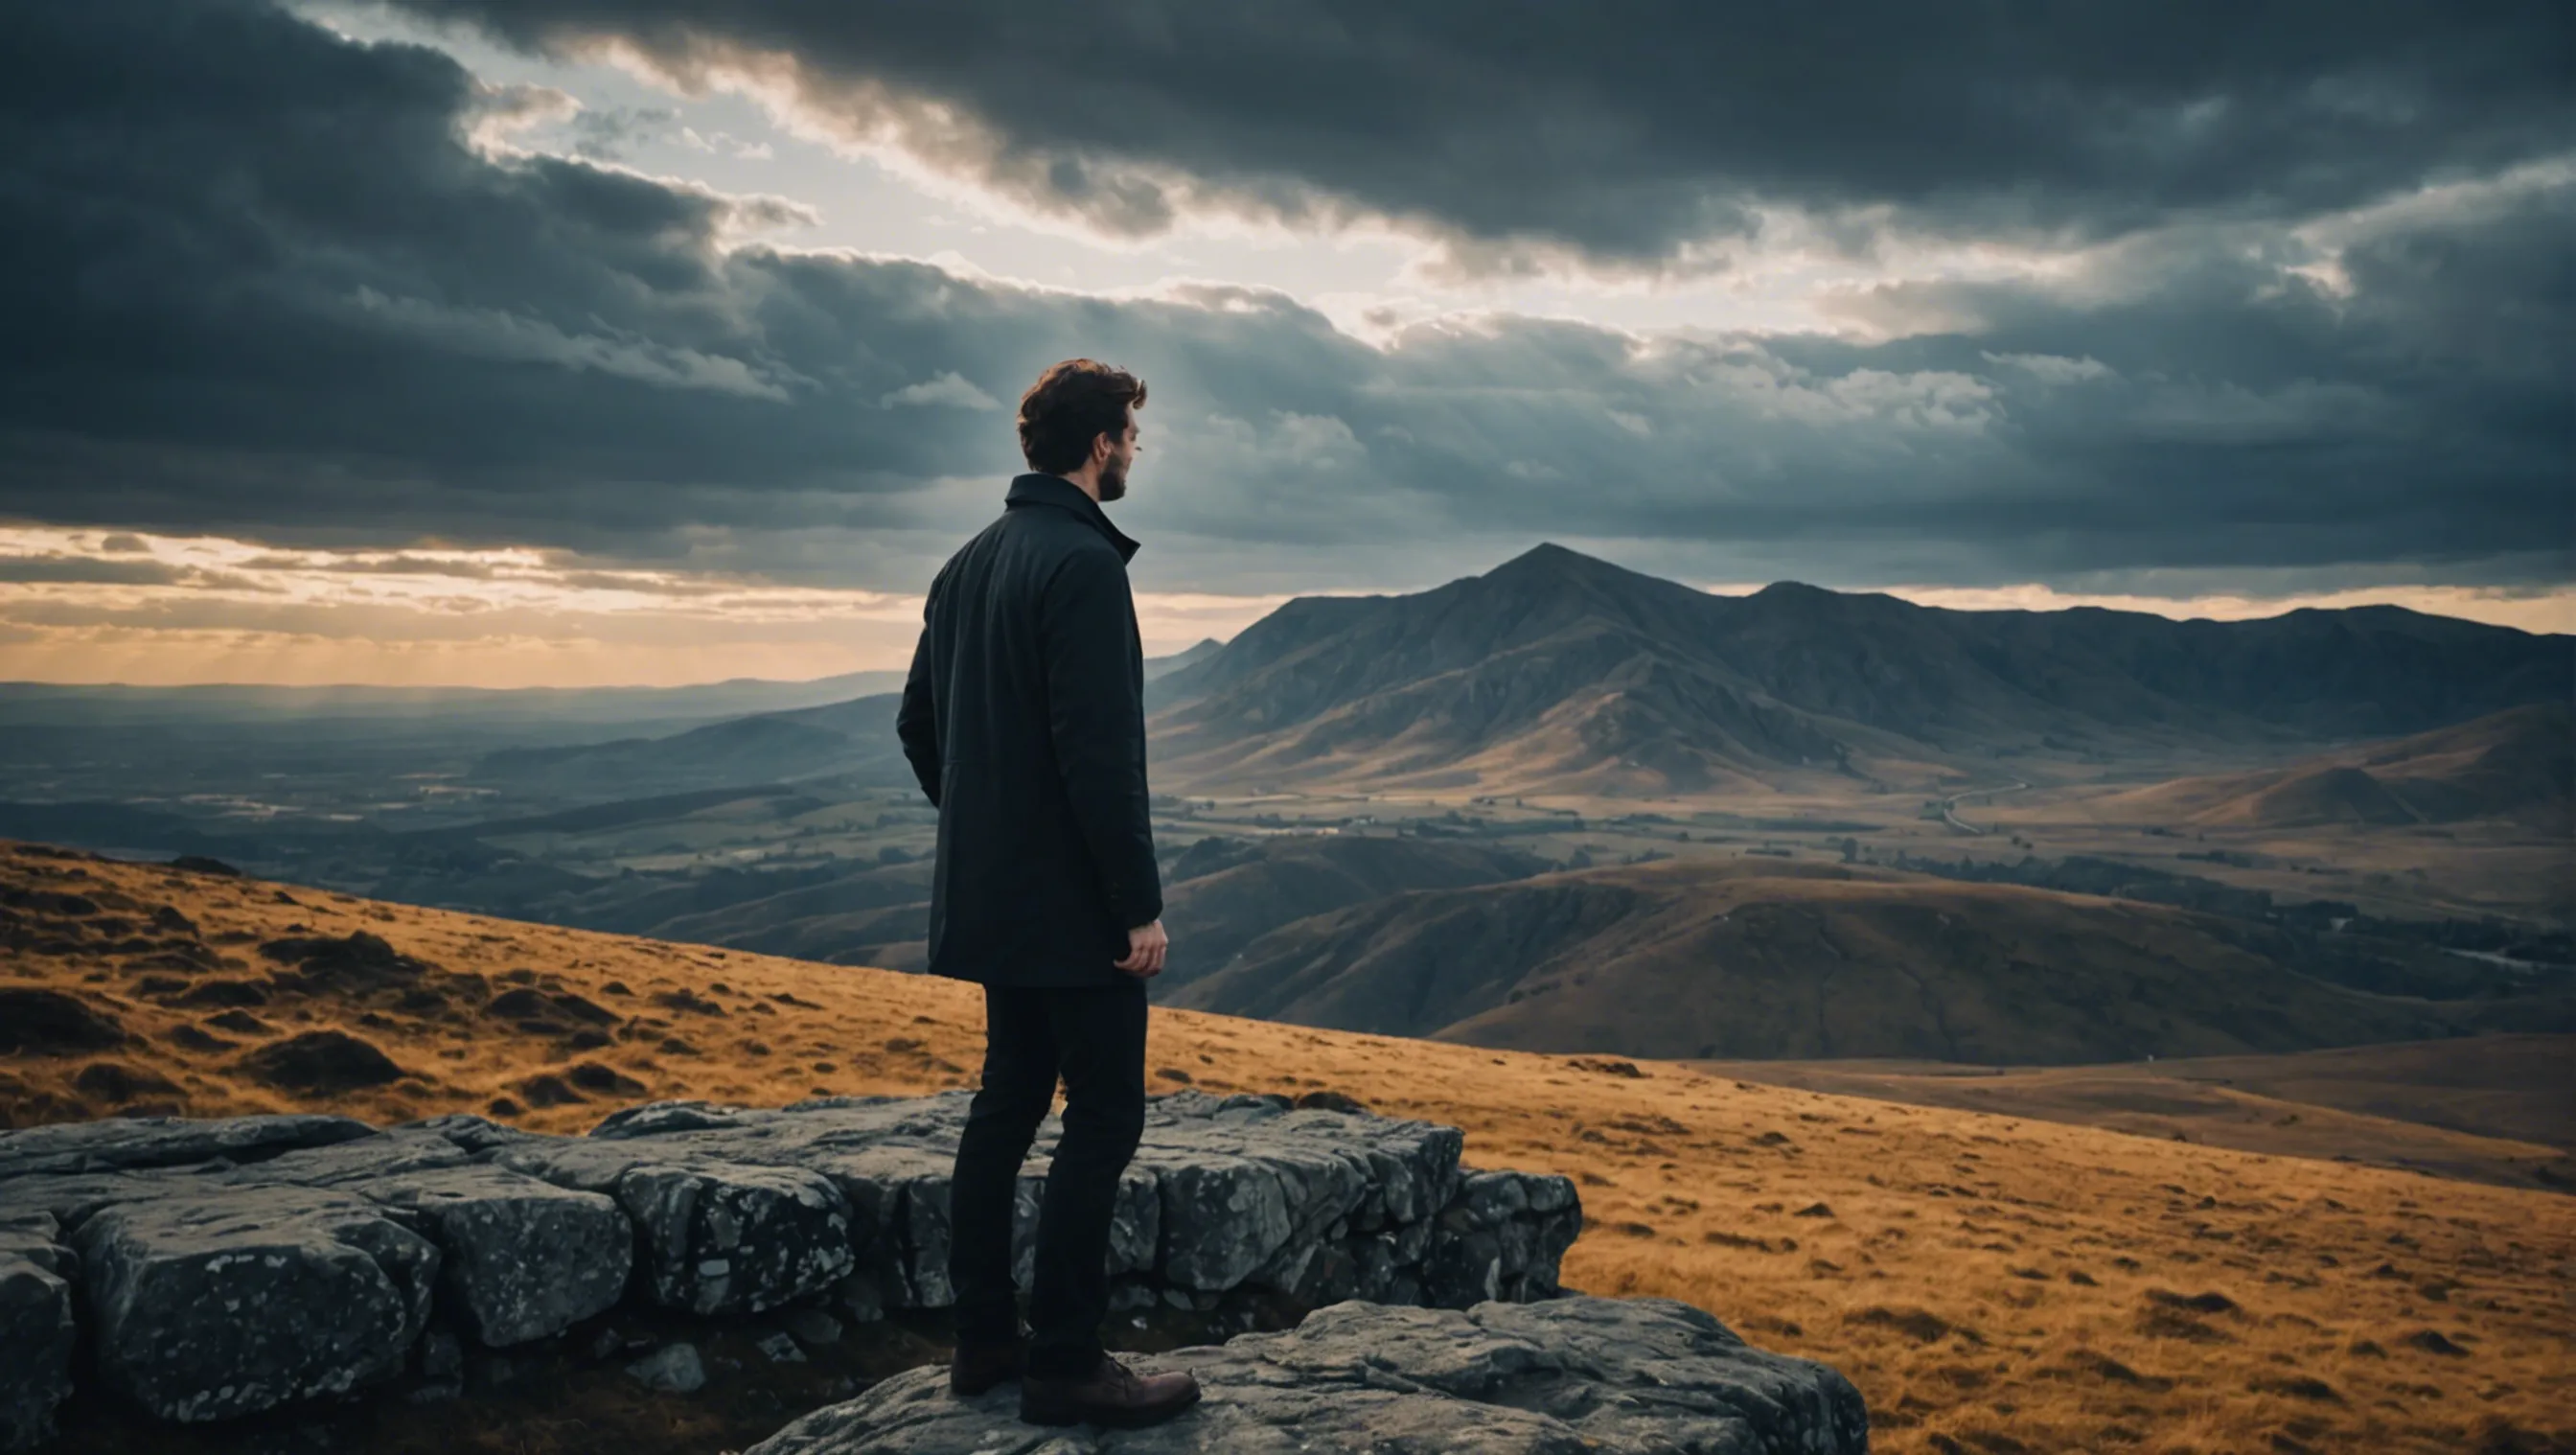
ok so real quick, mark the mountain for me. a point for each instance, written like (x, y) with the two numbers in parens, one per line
(1556, 671)
(1157, 668)
(2516, 766)
(1771, 959)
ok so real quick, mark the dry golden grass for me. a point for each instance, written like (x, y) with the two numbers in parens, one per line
(1992, 1284)
(2491, 1108)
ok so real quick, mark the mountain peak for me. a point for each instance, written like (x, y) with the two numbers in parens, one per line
(1545, 553)
(1549, 561)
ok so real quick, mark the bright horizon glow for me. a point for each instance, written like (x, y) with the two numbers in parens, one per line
(91, 607)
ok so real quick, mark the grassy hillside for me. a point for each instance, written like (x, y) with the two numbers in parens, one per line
(1760, 959)
(1992, 1283)
(2498, 1108)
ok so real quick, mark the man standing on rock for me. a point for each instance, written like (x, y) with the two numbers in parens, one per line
(1024, 719)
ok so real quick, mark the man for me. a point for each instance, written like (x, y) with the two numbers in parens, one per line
(1024, 719)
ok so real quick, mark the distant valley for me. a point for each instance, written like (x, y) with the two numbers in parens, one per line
(1558, 806)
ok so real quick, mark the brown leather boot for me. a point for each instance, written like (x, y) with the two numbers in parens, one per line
(1112, 1394)
(977, 1367)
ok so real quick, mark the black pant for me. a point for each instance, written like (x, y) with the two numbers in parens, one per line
(1094, 1038)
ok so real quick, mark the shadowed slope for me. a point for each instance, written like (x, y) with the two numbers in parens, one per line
(1256, 886)
(1736, 959)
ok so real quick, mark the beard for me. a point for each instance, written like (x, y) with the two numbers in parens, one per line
(1113, 481)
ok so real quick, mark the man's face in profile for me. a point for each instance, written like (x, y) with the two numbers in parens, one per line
(1113, 472)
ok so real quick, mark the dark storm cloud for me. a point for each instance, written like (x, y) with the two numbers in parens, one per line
(260, 283)
(1623, 130)
(56, 568)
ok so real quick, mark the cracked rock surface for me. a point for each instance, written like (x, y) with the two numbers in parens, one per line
(1568, 1375)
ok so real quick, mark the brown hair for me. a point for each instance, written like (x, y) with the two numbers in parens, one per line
(1072, 404)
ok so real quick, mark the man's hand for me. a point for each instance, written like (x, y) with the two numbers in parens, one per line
(1145, 946)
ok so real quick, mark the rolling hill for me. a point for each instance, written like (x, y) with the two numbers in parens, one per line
(1222, 895)
(1759, 959)
(2517, 766)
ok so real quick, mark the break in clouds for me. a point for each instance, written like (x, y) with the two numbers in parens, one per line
(2300, 300)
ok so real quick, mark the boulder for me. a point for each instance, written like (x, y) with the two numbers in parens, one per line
(232, 1299)
(521, 1258)
(37, 1334)
(716, 1236)
(1635, 1376)
(1501, 1237)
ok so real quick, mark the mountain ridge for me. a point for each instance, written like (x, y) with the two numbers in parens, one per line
(1556, 670)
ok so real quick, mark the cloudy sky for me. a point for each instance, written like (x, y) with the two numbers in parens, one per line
(587, 341)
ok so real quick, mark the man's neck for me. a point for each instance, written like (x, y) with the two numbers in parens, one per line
(1086, 481)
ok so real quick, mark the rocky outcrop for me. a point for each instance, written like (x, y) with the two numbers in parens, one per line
(1632, 1376)
(36, 1330)
(216, 1269)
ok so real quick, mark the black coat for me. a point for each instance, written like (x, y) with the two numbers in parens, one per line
(1024, 719)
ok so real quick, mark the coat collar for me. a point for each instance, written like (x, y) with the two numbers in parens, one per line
(1055, 490)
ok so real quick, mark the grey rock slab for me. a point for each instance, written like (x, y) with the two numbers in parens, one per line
(37, 1332)
(355, 1162)
(469, 1132)
(1222, 1190)
(1613, 1376)
(69, 1198)
(717, 1236)
(1201, 1163)
(114, 1144)
(523, 1258)
(231, 1300)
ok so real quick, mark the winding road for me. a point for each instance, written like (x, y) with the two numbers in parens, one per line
(1950, 807)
